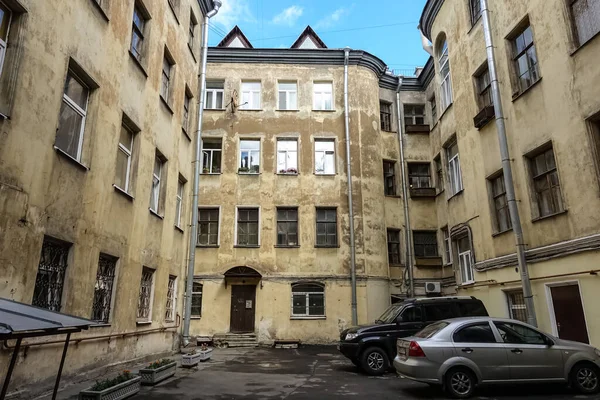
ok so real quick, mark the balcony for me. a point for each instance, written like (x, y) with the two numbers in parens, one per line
(484, 116)
(425, 192)
(418, 129)
(428, 261)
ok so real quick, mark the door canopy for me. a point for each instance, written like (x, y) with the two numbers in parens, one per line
(242, 272)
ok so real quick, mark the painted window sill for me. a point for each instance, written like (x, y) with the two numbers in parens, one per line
(101, 10)
(286, 173)
(174, 12)
(157, 215)
(307, 318)
(445, 111)
(522, 93)
(496, 234)
(211, 173)
(250, 109)
(327, 247)
(238, 246)
(166, 104)
(143, 322)
(283, 246)
(393, 196)
(180, 229)
(456, 194)
(585, 43)
(123, 192)
(467, 284)
(71, 158)
(215, 109)
(101, 326)
(556, 214)
(440, 192)
(320, 174)
(196, 318)
(327, 111)
(249, 173)
(207, 246)
(192, 53)
(138, 64)
(187, 135)
(290, 110)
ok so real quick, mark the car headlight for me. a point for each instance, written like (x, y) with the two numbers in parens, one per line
(597, 352)
(351, 336)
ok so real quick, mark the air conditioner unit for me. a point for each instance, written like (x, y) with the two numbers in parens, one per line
(433, 287)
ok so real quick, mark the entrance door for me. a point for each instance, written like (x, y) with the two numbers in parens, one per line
(568, 313)
(242, 308)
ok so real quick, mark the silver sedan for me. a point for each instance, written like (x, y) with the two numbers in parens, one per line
(461, 353)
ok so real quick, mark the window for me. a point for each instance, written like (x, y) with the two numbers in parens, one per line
(411, 314)
(156, 177)
(103, 289)
(174, 4)
(249, 156)
(433, 106)
(322, 96)
(419, 175)
(464, 260)
(439, 173)
(454, 172)
(425, 244)
(185, 123)
(308, 300)
(501, 214)
(594, 125)
(124, 157)
(208, 227)
(446, 84)
(287, 156)
(211, 156)
(586, 16)
(192, 31)
(287, 226)
(13, 23)
(214, 95)
(179, 201)
(471, 308)
(167, 70)
(5, 21)
(389, 178)
(519, 334)
(525, 59)
(393, 243)
(51, 274)
(516, 305)
(484, 88)
(475, 6)
(247, 227)
(414, 114)
(447, 246)
(288, 95)
(439, 312)
(480, 333)
(196, 299)
(326, 227)
(250, 96)
(171, 307)
(144, 309)
(385, 114)
(137, 35)
(545, 183)
(73, 112)
(325, 157)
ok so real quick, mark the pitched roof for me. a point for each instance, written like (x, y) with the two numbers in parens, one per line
(309, 34)
(236, 33)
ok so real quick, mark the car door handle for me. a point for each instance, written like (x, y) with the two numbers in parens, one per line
(516, 351)
(467, 350)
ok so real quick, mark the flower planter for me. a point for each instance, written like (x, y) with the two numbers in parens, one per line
(153, 376)
(118, 392)
(191, 360)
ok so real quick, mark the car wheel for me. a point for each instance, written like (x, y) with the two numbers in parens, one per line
(585, 378)
(374, 361)
(460, 383)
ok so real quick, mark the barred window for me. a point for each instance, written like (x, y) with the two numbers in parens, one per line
(326, 227)
(516, 305)
(425, 244)
(196, 299)
(171, 299)
(51, 274)
(144, 309)
(308, 300)
(103, 290)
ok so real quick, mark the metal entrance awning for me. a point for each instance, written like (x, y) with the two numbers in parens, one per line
(19, 321)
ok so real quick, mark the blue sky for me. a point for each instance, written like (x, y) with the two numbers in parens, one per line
(339, 23)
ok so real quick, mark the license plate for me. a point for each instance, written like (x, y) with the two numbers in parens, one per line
(402, 351)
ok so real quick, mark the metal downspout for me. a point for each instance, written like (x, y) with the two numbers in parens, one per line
(507, 168)
(350, 203)
(408, 230)
(197, 159)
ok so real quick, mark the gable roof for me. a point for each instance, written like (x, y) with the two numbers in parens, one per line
(235, 33)
(309, 34)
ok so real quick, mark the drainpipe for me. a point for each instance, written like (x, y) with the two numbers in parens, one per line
(408, 233)
(194, 225)
(350, 203)
(507, 168)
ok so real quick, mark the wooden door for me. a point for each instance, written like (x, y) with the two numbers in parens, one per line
(242, 308)
(568, 313)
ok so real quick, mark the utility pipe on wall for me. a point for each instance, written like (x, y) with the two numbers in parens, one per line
(408, 231)
(194, 225)
(507, 168)
(350, 203)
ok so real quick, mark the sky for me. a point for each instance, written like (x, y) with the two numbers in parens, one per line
(384, 28)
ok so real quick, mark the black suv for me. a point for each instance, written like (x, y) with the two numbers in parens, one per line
(372, 347)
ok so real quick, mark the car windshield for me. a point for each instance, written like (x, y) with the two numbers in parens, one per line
(389, 316)
(430, 330)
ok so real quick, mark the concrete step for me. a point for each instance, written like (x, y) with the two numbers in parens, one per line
(242, 345)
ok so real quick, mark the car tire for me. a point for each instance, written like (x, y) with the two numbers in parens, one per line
(374, 361)
(460, 383)
(585, 378)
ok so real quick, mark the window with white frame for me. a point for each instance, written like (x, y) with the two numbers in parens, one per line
(103, 289)
(248, 227)
(250, 96)
(144, 309)
(447, 246)
(586, 17)
(325, 156)
(249, 156)
(323, 96)
(211, 156)
(185, 123)
(156, 181)
(5, 21)
(171, 306)
(287, 156)
(124, 159)
(308, 300)
(454, 172)
(465, 260)
(214, 95)
(179, 202)
(73, 112)
(208, 227)
(196, 299)
(288, 95)
(446, 83)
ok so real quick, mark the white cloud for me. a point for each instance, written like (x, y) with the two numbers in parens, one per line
(333, 18)
(234, 12)
(289, 16)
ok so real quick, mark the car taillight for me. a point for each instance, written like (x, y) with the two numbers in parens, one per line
(414, 350)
